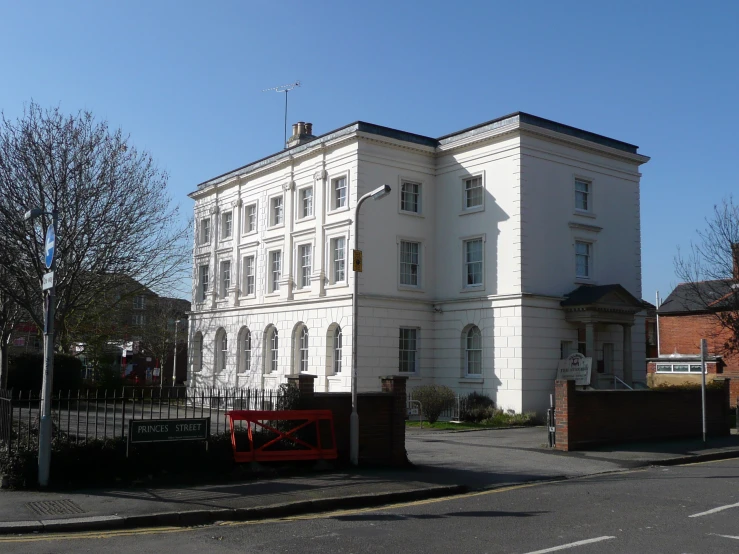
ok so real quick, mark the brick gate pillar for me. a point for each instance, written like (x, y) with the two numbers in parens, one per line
(396, 385)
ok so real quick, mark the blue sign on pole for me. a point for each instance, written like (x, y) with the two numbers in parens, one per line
(49, 246)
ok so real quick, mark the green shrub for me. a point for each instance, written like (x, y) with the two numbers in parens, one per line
(500, 418)
(434, 399)
(25, 372)
(476, 407)
(710, 385)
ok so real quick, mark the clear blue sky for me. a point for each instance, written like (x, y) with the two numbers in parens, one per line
(185, 80)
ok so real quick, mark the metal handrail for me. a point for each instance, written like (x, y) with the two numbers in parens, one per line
(615, 379)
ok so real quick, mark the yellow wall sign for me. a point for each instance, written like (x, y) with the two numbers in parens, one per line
(357, 260)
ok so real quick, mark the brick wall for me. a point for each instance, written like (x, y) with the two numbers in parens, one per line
(683, 333)
(588, 418)
(381, 419)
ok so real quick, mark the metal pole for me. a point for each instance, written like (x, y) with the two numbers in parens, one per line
(704, 352)
(174, 360)
(45, 427)
(284, 142)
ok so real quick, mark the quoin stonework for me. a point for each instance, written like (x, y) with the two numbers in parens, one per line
(501, 249)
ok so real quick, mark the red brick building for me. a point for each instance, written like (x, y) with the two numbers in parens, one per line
(688, 315)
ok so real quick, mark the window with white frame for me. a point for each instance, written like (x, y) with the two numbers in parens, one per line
(248, 267)
(250, 218)
(273, 345)
(246, 351)
(337, 350)
(338, 259)
(473, 352)
(582, 195)
(203, 281)
(583, 259)
(338, 193)
(408, 350)
(276, 211)
(410, 197)
(303, 350)
(306, 202)
(138, 320)
(473, 197)
(225, 277)
(205, 230)
(139, 302)
(679, 368)
(473, 260)
(275, 270)
(226, 225)
(305, 252)
(223, 352)
(410, 263)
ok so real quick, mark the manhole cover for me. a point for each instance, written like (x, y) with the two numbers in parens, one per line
(54, 508)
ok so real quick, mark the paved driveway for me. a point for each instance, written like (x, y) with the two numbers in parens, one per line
(494, 457)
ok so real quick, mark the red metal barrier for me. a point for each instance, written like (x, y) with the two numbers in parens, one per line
(303, 418)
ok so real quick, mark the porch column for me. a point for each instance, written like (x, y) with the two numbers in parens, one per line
(628, 354)
(590, 340)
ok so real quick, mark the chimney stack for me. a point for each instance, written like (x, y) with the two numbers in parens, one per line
(735, 260)
(302, 133)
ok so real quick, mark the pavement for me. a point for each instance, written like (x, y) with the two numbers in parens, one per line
(446, 463)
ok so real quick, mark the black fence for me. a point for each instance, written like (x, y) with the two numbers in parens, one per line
(81, 416)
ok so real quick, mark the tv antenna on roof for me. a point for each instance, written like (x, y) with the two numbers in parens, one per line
(285, 89)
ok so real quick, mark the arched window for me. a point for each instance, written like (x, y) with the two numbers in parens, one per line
(246, 351)
(221, 351)
(473, 351)
(303, 366)
(337, 350)
(274, 349)
(197, 358)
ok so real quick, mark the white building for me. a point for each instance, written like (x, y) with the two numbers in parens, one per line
(467, 263)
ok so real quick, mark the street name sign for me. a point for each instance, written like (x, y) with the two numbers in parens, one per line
(163, 430)
(49, 246)
(577, 367)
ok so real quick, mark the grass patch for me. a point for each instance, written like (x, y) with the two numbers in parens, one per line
(499, 419)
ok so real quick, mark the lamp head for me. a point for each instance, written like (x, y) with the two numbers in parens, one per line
(32, 213)
(380, 192)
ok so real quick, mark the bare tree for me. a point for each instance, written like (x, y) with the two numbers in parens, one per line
(157, 331)
(9, 316)
(115, 218)
(710, 272)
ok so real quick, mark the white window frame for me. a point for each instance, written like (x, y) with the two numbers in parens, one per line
(589, 195)
(301, 282)
(222, 352)
(662, 368)
(302, 349)
(477, 208)
(245, 275)
(332, 197)
(332, 260)
(273, 213)
(227, 217)
(272, 346)
(466, 287)
(590, 260)
(419, 199)
(302, 214)
(419, 271)
(416, 351)
(139, 302)
(203, 281)
(225, 284)
(202, 240)
(138, 320)
(336, 348)
(468, 351)
(271, 282)
(247, 231)
(246, 347)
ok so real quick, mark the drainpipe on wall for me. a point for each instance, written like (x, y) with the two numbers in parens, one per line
(656, 313)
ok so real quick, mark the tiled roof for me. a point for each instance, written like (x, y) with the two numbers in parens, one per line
(702, 296)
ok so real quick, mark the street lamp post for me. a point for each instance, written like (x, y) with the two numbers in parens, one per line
(174, 360)
(45, 427)
(376, 194)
